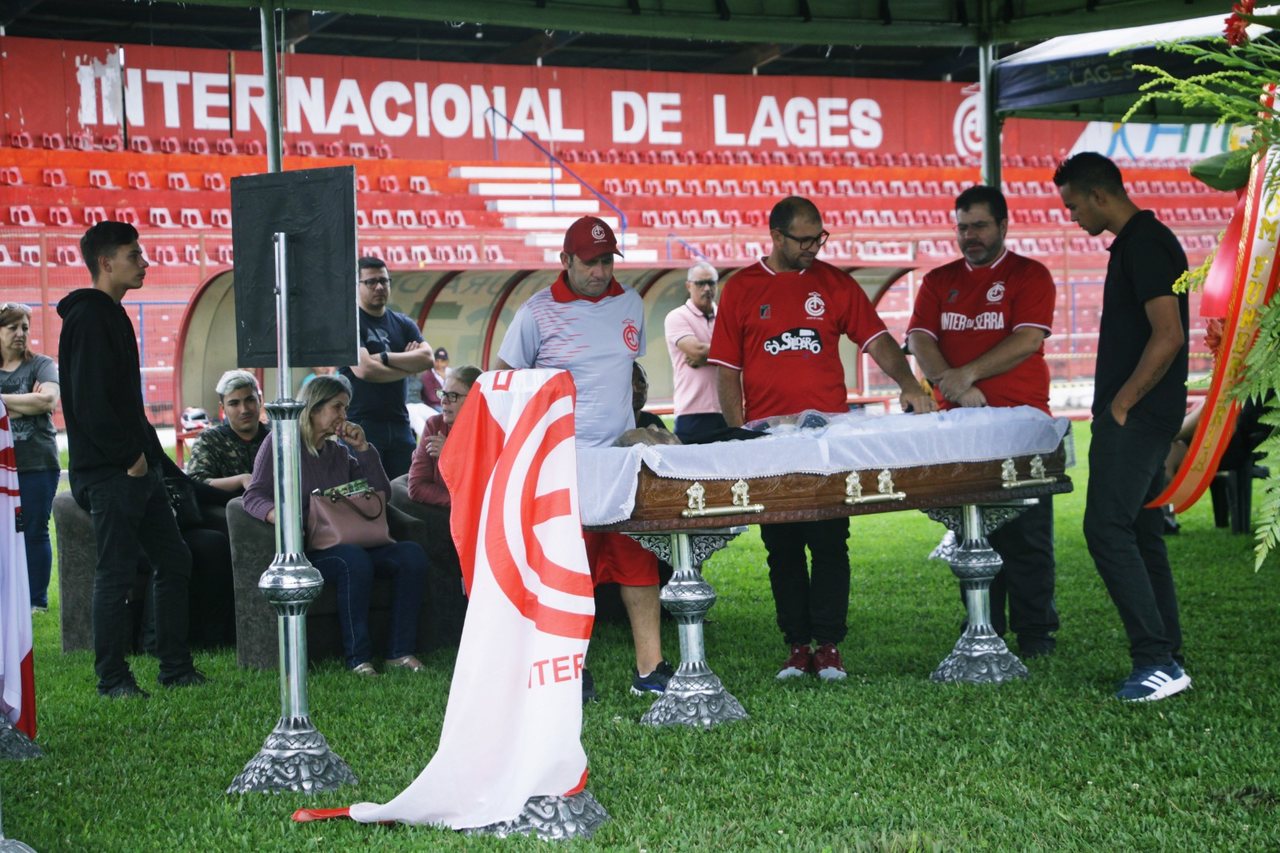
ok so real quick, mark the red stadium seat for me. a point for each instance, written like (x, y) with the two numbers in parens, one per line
(94, 214)
(178, 181)
(21, 139)
(60, 215)
(198, 145)
(169, 145)
(138, 180)
(214, 181)
(52, 141)
(493, 254)
(225, 145)
(160, 217)
(191, 217)
(419, 184)
(10, 176)
(455, 219)
(23, 216)
(141, 144)
(53, 177)
(388, 184)
(100, 179)
(220, 217)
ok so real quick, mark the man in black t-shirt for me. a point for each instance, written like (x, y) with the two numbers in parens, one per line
(391, 351)
(1139, 399)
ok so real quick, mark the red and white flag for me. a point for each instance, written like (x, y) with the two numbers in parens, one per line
(513, 726)
(17, 673)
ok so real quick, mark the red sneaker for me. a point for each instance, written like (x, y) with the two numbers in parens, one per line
(827, 663)
(799, 664)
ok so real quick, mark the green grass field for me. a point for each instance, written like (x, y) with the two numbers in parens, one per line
(884, 761)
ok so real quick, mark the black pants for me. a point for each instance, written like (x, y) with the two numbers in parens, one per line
(1126, 471)
(809, 607)
(1025, 582)
(132, 518)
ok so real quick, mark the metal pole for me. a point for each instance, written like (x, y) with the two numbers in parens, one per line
(990, 121)
(295, 756)
(270, 77)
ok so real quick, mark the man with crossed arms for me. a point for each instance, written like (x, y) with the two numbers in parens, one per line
(978, 333)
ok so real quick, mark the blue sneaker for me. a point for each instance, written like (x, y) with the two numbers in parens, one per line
(1151, 683)
(654, 682)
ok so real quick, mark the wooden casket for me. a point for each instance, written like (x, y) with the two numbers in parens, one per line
(669, 501)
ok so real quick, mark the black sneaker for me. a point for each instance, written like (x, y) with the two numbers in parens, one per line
(1036, 647)
(190, 678)
(588, 687)
(654, 682)
(124, 690)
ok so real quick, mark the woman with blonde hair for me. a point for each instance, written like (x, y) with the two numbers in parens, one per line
(335, 452)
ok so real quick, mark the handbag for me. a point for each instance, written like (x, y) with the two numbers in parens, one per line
(351, 514)
(183, 501)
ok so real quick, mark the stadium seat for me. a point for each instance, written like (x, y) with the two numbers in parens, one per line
(214, 181)
(419, 184)
(192, 255)
(160, 217)
(493, 254)
(168, 145)
(178, 181)
(220, 217)
(52, 141)
(138, 180)
(253, 147)
(446, 254)
(421, 255)
(164, 255)
(611, 186)
(141, 144)
(23, 216)
(362, 183)
(430, 218)
(198, 145)
(357, 149)
(225, 145)
(362, 219)
(649, 219)
(21, 139)
(383, 218)
(53, 177)
(455, 219)
(94, 214)
(110, 142)
(406, 218)
(10, 176)
(68, 256)
(467, 254)
(304, 148)
(388, 184)
(82, 141)
(191, 217)
(60, 216)
(100, 179)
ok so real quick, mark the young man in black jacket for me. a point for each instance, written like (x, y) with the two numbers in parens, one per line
(115, 459)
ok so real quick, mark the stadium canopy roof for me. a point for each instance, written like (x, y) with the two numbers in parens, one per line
(1091, 77)
(902, 39)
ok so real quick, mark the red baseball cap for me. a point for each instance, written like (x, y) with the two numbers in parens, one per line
(589, 238)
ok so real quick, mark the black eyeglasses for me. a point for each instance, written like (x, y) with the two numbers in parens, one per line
(377, 281)
(707, 283)
(807, 243)
(451, 396)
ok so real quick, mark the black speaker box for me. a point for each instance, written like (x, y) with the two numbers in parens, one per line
(316, 208)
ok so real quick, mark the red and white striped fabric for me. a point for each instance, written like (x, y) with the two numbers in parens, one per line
(17, 673)
(513, 726)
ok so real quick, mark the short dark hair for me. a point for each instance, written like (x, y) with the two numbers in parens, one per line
(1088, 171)
(103, 239)
(368, 262)
(786, 211)
(982, 194)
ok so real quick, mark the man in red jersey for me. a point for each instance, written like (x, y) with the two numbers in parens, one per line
(978, 333)
(776, 344)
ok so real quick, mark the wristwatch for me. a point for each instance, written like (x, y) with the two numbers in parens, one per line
(383, 355)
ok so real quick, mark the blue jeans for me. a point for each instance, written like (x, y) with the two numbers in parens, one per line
(37, 489)
(351, 569)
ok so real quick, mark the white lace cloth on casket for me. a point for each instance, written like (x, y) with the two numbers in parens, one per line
(607, 476)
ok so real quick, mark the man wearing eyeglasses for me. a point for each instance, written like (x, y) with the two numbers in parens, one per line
(688, 331)
(776, 344)
(978, 331)
(391, 351)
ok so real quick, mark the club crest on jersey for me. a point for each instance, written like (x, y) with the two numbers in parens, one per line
(794, 340)
(814, 306)
(766, 311)
(996, 292)
(631, 335)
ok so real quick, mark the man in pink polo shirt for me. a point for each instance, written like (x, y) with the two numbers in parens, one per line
(688, 330)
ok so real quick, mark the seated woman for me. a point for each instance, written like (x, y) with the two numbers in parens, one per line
(334, 452)
(425, 484)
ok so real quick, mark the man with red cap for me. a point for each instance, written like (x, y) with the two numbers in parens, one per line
(592, 326)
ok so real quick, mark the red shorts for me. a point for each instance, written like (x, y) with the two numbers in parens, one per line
(617, 558)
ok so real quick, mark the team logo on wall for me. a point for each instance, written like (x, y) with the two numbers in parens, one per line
(631, 335)
(996, 292)
(814, 306)
(966, 127)
(794, 340)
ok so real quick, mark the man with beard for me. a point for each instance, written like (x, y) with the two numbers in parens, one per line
(776, 343)
(978, 333)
